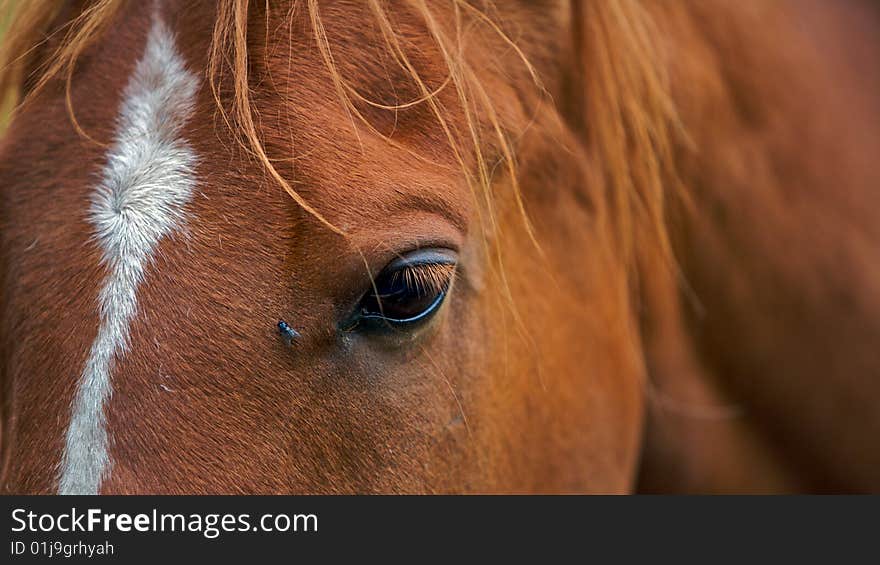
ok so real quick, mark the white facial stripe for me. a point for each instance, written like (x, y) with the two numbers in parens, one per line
(145, 185)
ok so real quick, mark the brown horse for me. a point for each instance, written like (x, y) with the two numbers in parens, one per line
(451, 246)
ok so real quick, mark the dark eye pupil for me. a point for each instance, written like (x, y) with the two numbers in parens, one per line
(395, 298)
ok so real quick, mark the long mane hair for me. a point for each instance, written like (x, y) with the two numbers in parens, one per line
(617, 98)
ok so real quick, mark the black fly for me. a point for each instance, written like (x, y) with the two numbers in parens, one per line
(287, 333)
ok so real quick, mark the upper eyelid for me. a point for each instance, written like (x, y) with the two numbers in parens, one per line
(430, 255)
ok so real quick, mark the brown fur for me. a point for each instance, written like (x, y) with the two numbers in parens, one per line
(647, 120)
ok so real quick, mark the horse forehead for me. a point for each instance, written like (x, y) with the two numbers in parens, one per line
(350, 173)
(342, 163)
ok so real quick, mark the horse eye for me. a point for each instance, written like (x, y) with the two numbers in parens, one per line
(408, 291)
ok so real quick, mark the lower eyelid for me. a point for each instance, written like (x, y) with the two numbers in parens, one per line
(435, 305)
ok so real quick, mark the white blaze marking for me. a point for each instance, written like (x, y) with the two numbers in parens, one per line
(147, 181)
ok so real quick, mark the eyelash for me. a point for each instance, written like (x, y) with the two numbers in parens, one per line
(408, 285)
(430, 277)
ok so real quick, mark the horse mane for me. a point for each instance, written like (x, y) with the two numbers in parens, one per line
(617, 99)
